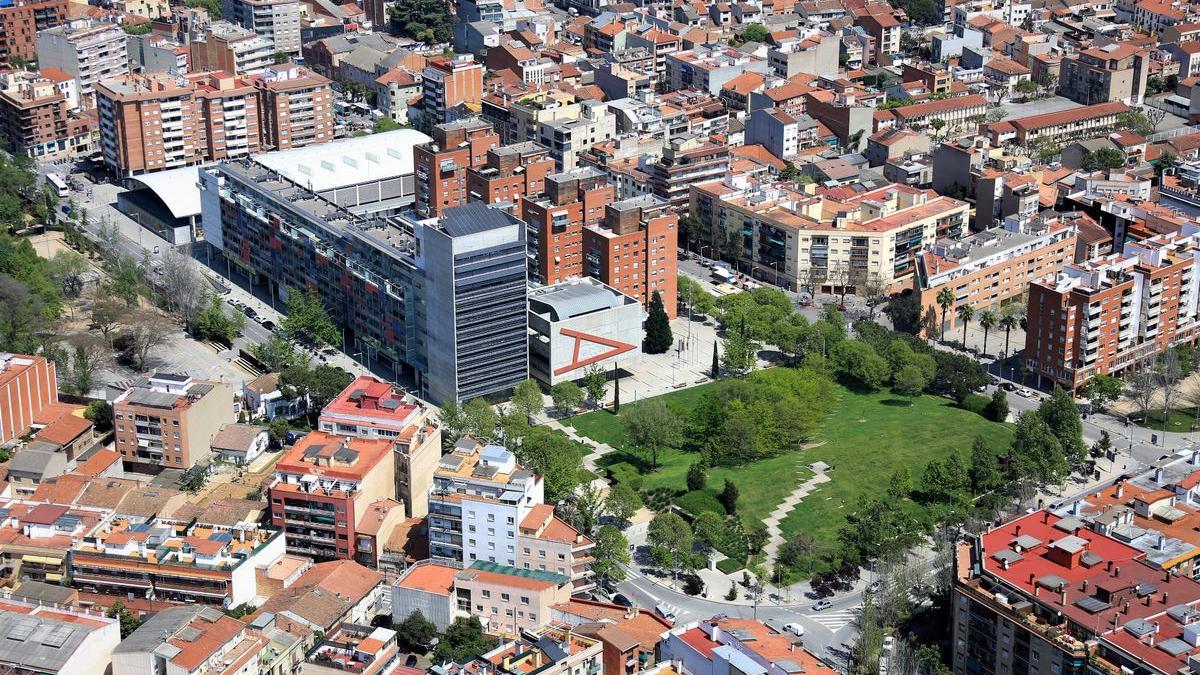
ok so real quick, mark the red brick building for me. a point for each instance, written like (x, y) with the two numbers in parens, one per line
(635, 249)
(574, 200)
(510, 173)
(19, 26)
(441, 165)
(27, 385)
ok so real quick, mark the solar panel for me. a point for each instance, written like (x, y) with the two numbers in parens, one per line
(58, 636)
(22, 628)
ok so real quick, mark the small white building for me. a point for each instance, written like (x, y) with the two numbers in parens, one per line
(240, 443)
(580, 324)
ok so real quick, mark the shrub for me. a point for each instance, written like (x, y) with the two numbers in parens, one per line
(976, 403)
(659, 499)
(729, 566)
(700, 501)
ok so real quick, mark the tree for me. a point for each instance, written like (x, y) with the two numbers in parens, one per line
(900, 484)
(415, 632)
(1169, 371)
(566, 396)
(181, 285)
(462, 640)
(609, 556)
(651, 426)
(622, 502)
(697, 476)
(480, 418)
(527, 399)
(858, 362)
(755, 32)
(946, 481)
(1135, 121)
(1026, 87)
(1154, 116)
(985, 471)
(874, 291)
(908, 382)
(277, 430)
(100, 413)
(937, 124)
(1164, 162)
(427, 21)
(1036, 453)
(107, 314)
(125, 280)
(595, 384)
(320, 384)
(1102, 390)
(740, 350)
(81, 377)
(670, 533)
(1008, 322)
(946, 299)
(554, 457)
(1102, 446)
(1062, 417)
(1142, 384)
(307, 320)
(275, 355)
(987, 320)
(715, 368)
(67, 269)
(756, 539)
(729, 497)
(21, 316)
(212, 323)
(658, 327)
(585, 508)
(997, 408)
(965, 313)
(958, 375)
(1102, 159)
(128, 622)
(213, 7)
(146, 332)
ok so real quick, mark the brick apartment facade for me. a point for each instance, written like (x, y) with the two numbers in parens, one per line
(295, 107)
(634, 250)
(447, 82)
(20, 24)
(148, 123)
(35, 119)
(573, 200)
(510, 173)
(27, 385)
(441, 165)
(168, 421)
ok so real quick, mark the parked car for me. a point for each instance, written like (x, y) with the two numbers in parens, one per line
(411, 661)
(794, 628)
(821, 605)
(1023, 391)
(269, 325)
(873, 587)
(249, 312)
(665, 611)
(1008, 386)
(621, 600)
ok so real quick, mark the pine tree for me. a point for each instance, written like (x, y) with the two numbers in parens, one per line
(616, 392)
(716, 364)
(729, 497)
(658, 327)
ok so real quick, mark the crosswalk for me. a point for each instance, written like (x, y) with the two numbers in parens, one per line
(834, 620)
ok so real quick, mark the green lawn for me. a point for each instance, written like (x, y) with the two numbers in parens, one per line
(604, 427)
(1177, 420)
(868, 437)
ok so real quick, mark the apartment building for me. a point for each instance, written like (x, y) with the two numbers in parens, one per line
(232, 49)
(355, 650)
(546, 543)
(28, 385)
(1107, 314)
(295, 107)
(35, 118)
(1063, 126)
(148, 123)
(1114, 72)
(686, 160)
(505, 599)
(881, 24)
(509, 174)
(813, 55)
(990, 268)
(89, 51)
(441, 165)
(229, 118)
(189, 640)
(634, 249)
(40, 638)
(573, 200)
(709, 67)
(550, 650)
(166, 420)
(276, 20)
(322, 490)
(569, 136)
(716, 645)
(371, 408)
(21, 21)
(473, 259)
(812, 241)
(1045, 591)
(782, 134)
(630, 636)
(480, 498)
(36, 534)
(957, 113)
(448, 82)
(516, 118)
(197, 562)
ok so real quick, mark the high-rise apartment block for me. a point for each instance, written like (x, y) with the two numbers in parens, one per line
(372, 408)
(1110, 313)
(88, 50)
(20, 22)
(441, 165)
(27, 385)
(229, 118)
(480, 498)
(634, 249)
(573, 200)
(232, 49)
(276, 20)
(449, 82)
(35, 118)
(295, 107)
(510, 173)
(167, 421)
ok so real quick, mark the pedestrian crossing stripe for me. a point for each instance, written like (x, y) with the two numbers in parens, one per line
(835, 620)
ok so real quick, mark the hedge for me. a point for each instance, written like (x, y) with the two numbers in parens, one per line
(700, 501)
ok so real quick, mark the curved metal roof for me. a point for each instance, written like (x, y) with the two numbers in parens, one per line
(177, 188)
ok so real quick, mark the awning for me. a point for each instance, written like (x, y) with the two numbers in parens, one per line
(54, 577)
(44, 560)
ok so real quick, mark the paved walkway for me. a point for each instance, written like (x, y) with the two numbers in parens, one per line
(785, 507)
(600, 449)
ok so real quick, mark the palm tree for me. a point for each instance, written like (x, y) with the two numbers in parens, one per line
(945, 298)
(1008, 322)
(966, 312)
(986, 320)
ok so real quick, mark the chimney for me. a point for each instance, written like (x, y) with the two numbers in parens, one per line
(1162, 542)
(1125, 609)
(1158, 475)
(1164, 599)
(1018, 530)
(1084, 586)
(1120, 490)
(1117, 571)
(1196, 458)
(1108, 566)
(1063, 599)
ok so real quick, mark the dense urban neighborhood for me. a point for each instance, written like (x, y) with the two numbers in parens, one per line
(586, 337)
